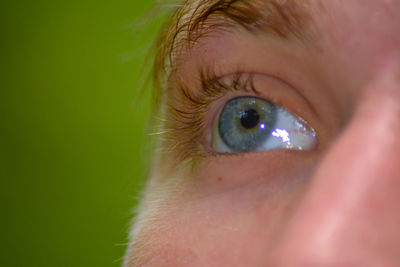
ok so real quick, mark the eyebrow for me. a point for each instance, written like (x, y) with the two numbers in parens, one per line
(280, 17)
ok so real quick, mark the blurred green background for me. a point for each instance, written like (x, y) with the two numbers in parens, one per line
(73, 118)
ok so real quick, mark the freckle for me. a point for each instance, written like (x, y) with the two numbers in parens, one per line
(220, 179)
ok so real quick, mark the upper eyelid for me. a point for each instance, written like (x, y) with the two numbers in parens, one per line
(214, 78)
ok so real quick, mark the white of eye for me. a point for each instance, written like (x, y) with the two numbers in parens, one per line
(290, 132)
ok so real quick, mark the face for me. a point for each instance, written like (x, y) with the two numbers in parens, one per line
(281, 144)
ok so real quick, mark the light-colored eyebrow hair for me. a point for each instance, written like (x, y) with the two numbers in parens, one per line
(195, 18)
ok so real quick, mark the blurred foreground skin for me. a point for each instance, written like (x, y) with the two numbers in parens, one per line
(335, 205)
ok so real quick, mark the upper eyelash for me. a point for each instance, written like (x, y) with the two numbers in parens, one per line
(184, 129)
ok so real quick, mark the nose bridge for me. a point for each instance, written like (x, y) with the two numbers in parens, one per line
(350, 215)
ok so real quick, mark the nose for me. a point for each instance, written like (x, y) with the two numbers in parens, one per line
(350, 214)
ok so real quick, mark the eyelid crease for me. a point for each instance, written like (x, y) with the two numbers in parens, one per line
(212, 77)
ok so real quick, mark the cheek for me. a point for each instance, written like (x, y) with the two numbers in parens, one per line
(222, 215)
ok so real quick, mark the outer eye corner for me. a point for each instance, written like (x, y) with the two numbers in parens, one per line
(248, 124)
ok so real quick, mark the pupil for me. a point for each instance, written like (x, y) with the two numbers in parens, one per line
(249, 118)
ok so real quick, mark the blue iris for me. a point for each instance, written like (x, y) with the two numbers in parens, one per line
(246, 123)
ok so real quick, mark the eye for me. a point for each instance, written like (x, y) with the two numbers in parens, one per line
(254, 124)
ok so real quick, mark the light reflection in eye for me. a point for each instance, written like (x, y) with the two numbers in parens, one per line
(283, 134)
(254, 124)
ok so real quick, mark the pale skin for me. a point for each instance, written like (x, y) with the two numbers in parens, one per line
(337, 204)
